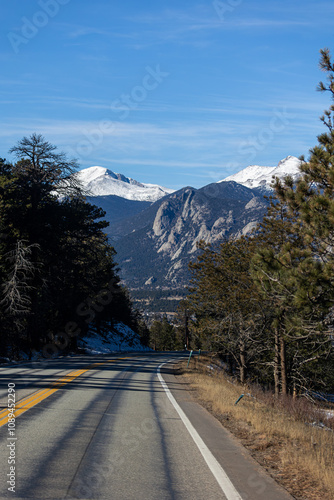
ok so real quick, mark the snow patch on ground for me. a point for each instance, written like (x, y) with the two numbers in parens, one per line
(121, 338)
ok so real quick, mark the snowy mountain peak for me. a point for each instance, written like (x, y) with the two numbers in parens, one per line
(90, 174)
(99, 181)
(256, 176)
(288, 166)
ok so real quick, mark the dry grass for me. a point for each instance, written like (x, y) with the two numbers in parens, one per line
(280, 436)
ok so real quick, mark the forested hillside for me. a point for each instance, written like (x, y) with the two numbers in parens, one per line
(265, 301)
(58, 276)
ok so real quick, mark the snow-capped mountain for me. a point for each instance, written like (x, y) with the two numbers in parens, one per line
(155, 246)
(255, 176)
(155, 230)
(99, 181)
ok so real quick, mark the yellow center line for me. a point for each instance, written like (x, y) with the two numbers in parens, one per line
(30, 401)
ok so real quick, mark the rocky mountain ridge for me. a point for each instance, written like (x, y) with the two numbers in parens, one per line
(156, 240)
(155, 246)
(99, 181)
(256, 176)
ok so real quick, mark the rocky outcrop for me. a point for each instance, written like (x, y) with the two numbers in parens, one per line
(154, 248)
(156, 231)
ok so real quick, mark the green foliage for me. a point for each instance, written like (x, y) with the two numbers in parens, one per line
(290, 278)
(163, 336)
(267, 301)
(225, 301)
(56, 265)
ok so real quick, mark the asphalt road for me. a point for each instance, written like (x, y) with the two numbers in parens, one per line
(118, 428)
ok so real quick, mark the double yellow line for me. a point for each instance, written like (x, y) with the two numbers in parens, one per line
(29, 401)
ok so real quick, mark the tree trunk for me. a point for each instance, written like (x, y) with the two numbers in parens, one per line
(284, 385)
(294, 393)
(277, 363)
(230, 364)
(242, 362)
(186, 331)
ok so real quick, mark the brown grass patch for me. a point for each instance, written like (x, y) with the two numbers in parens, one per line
(281, 436)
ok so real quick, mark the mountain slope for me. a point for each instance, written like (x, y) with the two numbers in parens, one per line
(99, 181)
(117, 209)
(155, 247)
(155, 231)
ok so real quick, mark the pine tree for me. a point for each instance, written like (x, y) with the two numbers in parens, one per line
(46, 222)
(296, 271)
(288, 276)
(162, 335)
(225, 302)
(265, 301)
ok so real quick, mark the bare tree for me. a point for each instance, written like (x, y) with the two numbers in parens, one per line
(16, 293)
(16, 299)
(40, 164)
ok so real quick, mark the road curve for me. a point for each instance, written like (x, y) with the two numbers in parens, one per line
(119, 428)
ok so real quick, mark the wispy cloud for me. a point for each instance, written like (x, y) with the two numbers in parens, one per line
(78, 31)
(175, 24)
(267, 23)
(210, 151)
(163, 163)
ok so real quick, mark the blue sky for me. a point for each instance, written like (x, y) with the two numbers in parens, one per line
(170, 92)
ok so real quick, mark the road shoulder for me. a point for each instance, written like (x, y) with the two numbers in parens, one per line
(248, 477)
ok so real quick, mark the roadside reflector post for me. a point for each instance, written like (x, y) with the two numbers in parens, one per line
(189, 359)
(237, 401)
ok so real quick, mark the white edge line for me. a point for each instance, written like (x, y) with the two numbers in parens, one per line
(220, 475)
